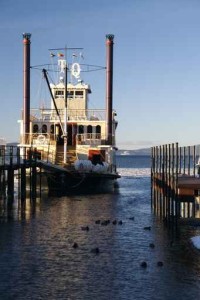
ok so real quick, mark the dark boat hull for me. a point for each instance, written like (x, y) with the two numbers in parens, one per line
(80, 183)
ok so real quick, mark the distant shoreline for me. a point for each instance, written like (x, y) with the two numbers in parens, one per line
(138, 152)
(125, 155)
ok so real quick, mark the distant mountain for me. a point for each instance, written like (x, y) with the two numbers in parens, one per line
(145, 151)
(12, 144)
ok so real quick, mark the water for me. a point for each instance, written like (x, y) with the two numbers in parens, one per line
(37, 260)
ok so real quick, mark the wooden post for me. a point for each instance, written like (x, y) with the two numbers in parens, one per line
(194, 160)
(183, 160)
(163, 181)
(10, 183)
(176, 198)
(40, 182)
(10, 177)
(1, 181)
(180, 160)
(161, 184)
(152, 174)
(169, 184)
(188, 160)
(33, 176)
(23, 183)
(157, 170)
(154, 178)
(172, 182)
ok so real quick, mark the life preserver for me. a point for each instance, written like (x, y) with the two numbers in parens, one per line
(81, 167)
(76, 70)
(41, 140)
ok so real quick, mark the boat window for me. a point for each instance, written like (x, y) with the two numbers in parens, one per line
(89, 129)
(98, 132)
(59, 94)
(70, 94)
(80, 129)
(44, 128)
(79, 94)
(52, 129)
(35, 128)
(98, 129)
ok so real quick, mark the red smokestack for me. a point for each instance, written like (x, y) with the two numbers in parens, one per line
(109, 85)
(26, 71)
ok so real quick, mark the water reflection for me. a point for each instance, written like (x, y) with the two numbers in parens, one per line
(17, 210)
(38, 260)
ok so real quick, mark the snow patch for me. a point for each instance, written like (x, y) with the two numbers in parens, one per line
(196, 241)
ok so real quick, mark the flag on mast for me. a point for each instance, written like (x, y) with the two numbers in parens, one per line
(81, 55)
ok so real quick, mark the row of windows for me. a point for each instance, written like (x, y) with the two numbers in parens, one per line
(70, 94)
(90, 129)
(44, 128)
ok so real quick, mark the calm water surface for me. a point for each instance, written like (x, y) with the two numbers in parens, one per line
(37, 260)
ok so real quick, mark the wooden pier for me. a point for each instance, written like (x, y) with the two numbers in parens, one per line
(175, 182)
(18, 173)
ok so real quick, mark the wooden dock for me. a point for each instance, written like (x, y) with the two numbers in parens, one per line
(175, 182)
(21, 168)
(18, 173)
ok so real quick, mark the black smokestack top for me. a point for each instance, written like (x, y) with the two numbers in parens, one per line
(26, 85)
(109, 85)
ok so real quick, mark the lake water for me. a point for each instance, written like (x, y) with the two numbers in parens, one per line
(38, 261)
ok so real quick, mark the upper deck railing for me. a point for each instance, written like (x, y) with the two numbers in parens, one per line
(91, 139)
(49, 141)
(72, 115)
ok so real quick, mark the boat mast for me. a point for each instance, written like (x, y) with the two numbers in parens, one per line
(65, 69)
(26, 86)
(109, 87)
(65, 118)
(44, 71)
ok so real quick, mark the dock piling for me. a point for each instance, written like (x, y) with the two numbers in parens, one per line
(19, 176)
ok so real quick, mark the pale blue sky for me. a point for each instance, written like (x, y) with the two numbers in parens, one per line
(156, 61)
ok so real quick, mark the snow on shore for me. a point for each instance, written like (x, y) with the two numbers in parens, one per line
(196, 241)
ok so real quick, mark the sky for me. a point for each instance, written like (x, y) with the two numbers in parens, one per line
(156, 85)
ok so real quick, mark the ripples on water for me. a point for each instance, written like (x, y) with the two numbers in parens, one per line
(37, 260)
